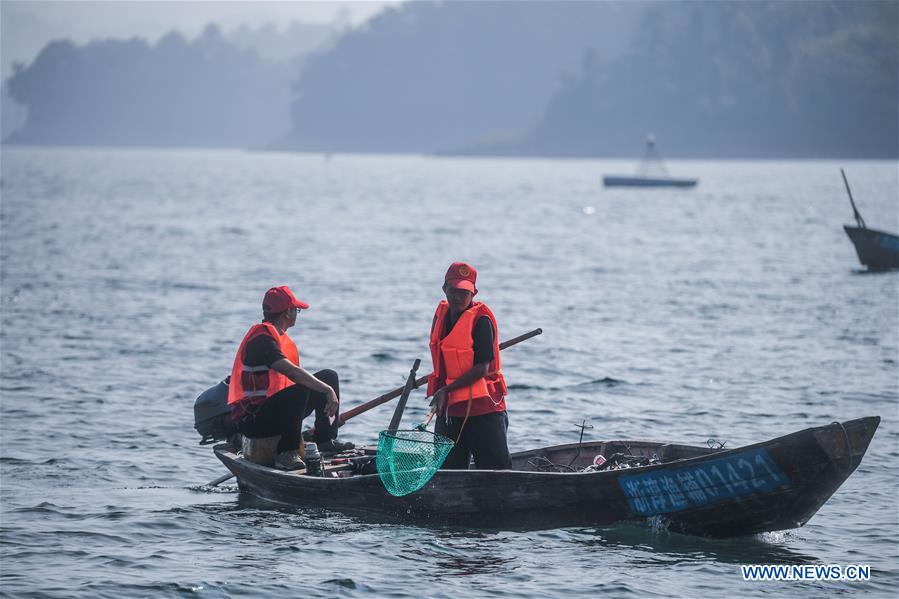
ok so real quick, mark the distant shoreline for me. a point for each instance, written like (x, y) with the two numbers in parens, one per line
(456, 154)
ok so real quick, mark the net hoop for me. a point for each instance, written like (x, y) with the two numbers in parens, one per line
(407, 459)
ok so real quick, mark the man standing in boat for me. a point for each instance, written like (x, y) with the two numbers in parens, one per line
(467, 386)
(270, 393)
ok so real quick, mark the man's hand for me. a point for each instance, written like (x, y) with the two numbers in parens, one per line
(439, 400)
(332, 403)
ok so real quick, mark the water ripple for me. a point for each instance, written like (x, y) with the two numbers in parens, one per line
(673, 316)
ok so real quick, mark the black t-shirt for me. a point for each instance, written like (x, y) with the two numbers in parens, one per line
(482, 338)
(263, 350)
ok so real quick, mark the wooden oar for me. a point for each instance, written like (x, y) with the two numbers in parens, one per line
(382, 399)
(420, 381)
(220, 480)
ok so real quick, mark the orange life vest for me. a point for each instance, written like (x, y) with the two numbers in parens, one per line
(453, 356)
(256, 383)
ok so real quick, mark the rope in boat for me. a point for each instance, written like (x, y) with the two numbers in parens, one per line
(619, 461)
(544, 464)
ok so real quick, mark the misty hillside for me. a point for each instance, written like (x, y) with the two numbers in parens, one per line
(710, 79)
(12, 115)
(425, 76)
(206, 92)
(750, 79)
(274, 43)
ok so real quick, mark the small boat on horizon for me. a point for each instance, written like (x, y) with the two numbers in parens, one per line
(651, 172)
(709, 491)
(878, 250)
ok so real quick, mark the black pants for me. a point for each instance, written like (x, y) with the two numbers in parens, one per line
(283, 413)
(484, 437)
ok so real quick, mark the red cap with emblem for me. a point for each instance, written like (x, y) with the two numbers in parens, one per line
(281, 299)
(461, 276)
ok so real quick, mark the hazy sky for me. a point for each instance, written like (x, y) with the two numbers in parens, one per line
(27, 25)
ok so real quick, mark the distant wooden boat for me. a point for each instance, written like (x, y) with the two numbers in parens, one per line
(638, 181)
(715, 492)
(878, 250)
(650, 173)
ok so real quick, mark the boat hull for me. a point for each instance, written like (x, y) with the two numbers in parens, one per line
(774, 485)
(877, 250)
(624, 181)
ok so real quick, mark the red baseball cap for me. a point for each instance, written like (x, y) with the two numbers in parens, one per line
(281, 299)
(461, 276)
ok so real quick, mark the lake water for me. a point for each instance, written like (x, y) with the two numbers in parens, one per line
(736, 310)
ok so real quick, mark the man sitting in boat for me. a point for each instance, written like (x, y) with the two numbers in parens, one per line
(467, 386)
(270, 393)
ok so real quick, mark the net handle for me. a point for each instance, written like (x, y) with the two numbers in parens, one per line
(401, 406)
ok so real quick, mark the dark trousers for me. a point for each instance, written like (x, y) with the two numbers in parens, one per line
(483, 437)
(283, 413)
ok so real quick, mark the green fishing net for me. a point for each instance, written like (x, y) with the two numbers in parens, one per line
(407, 459)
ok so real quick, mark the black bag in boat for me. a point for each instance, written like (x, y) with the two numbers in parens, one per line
(212, 415)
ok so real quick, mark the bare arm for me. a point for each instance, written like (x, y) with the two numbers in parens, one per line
(303, 377)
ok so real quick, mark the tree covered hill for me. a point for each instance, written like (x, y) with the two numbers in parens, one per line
(201, 93)
(430, 75)
(563, 78)
(747, 79)
(730, 79)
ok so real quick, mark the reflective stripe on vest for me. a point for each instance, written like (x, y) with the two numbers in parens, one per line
(453, 355)
(255, 383)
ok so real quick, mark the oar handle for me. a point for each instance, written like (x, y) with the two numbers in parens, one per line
(420, 381)
(401, 406)
(520, 338)
(382, 399)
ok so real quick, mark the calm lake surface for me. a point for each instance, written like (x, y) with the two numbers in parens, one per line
(736, 311)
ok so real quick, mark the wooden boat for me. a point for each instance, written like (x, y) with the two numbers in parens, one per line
(774, 485)
(878, 250)
(652, 163)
